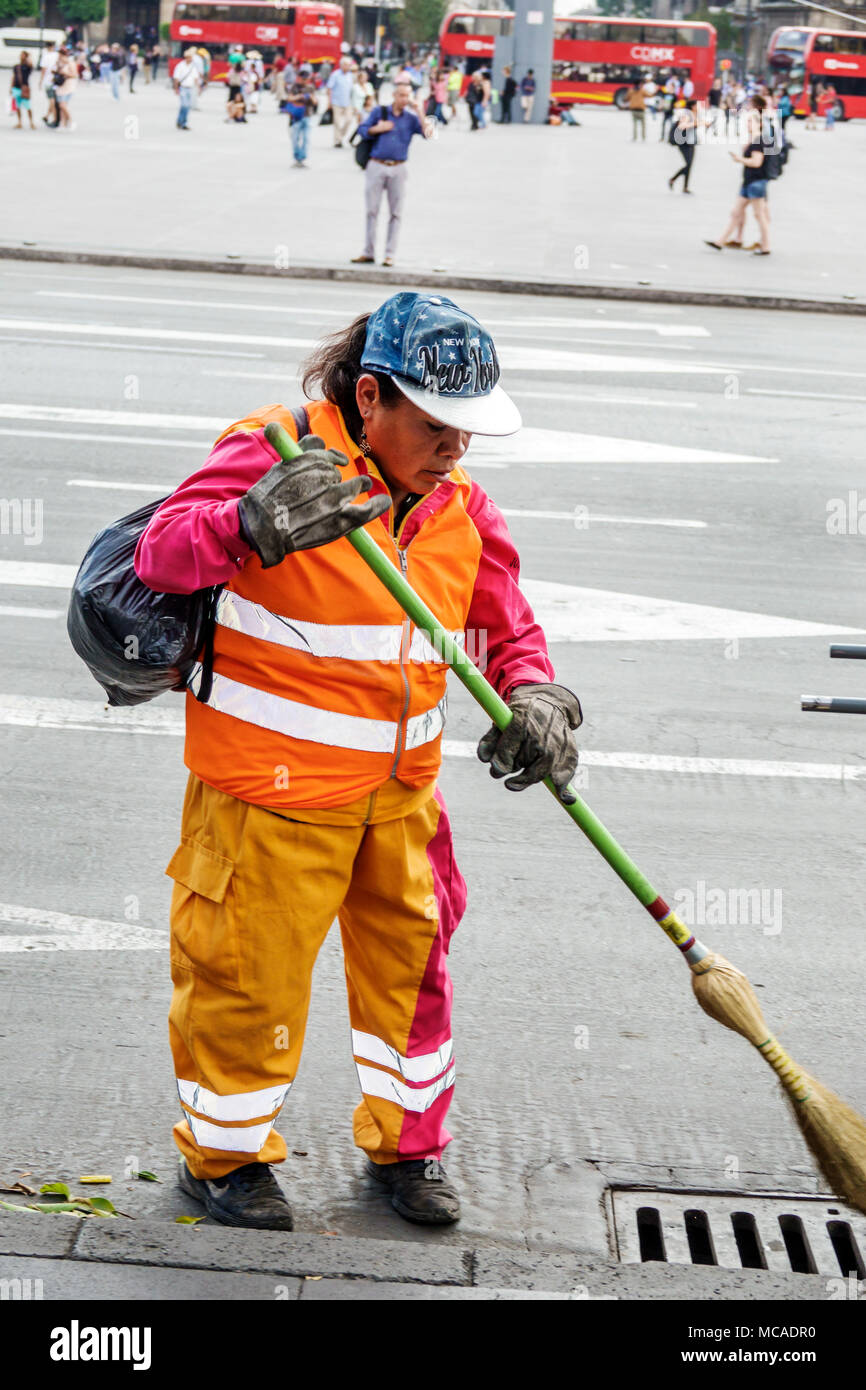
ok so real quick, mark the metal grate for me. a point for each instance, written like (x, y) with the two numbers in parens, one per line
(737, 1230)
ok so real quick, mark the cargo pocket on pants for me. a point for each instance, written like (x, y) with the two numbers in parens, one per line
(204, 918)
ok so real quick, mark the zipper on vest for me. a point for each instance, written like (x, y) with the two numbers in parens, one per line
(404, 647)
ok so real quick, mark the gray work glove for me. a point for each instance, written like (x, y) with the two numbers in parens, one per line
(299, 504)
(537, 739)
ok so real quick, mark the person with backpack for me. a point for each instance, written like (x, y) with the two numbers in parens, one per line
(301, 107)
(755, 159)
(313, 762)
(391, 130)
(527, 94)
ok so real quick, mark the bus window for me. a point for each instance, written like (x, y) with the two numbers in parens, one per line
(700, 38)
(463, 25)
(792, 40)
(626, 33)
(851, 43)
(824, 43)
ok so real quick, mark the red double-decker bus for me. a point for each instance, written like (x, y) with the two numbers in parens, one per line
(594, 60)
(305, 33)
(800, 59)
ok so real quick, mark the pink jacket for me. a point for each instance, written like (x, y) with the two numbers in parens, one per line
(193, 542)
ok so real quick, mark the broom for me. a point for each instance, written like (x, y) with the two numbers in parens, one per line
(834, 1132)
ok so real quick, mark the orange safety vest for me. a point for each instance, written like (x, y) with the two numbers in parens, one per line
(322, 687)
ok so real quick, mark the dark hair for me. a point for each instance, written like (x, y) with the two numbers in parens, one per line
(335, 366)
(759, 103)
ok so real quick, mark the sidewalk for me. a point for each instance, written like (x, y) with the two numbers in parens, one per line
(102, 1259)
(552, 209)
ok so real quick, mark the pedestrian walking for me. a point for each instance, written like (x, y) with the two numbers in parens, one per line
(475, 101)
(301, 107)
(21, 74)
(155, 57)
(637, 107)
(132, 65)
(827, 106)
(651, 96)
(64, 81)
(714, 103)
(455, 83)
(104, 63)
(507, 95)
(185, 83)
(339, 93)
(394, 128)
(439, 96)
(118, 64)
(785, 108)
(527, 94)
(47, 63)
(312, 674)
(753, 186)
(815, 93)
(669, 97)
(684, 134)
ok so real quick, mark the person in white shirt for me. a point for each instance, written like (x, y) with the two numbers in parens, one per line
(688, 90)
(185, 79)
(650, 91)
(47, 63)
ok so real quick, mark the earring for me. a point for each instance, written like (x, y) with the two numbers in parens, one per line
(365, 447)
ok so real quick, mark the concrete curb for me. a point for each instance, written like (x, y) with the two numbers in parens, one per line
(377, 275)
(351, 1267)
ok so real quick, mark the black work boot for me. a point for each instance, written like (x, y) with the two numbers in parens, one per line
(248, 1196)
(420, 1190)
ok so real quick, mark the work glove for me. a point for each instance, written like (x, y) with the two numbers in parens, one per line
(537, 740)
(302, 503)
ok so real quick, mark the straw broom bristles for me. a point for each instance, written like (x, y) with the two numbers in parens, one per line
(835, 1133)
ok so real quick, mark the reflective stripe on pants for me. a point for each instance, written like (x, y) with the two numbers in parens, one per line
(255, 894)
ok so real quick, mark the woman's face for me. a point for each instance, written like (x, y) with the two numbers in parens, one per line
(411, 449)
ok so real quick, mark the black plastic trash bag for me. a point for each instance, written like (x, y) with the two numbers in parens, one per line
(136, 643)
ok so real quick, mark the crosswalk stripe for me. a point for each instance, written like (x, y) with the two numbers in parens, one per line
(88, 716)
(567, 612)
(62, 931)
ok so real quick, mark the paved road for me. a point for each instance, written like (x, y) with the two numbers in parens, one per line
(690, 611)
(576, 205)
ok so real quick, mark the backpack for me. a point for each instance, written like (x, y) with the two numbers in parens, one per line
(364, 143)
(138, 643)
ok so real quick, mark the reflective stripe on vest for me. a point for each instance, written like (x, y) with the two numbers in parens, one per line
(315, 725)
(354, 641)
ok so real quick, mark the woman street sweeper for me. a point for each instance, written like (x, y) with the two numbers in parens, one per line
(313, 760)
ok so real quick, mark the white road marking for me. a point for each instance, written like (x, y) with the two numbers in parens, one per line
(61, 931)
(512, 358)
(665, 330)
(133, 419)
(596, 516)
(804, 395)
(163, 334)
(160, 719)
(204, 447)
(37, 574)
(568, 613)
(567, 446)
(30, 341)
(8, 610)
(578, 400)
(115, 486)
(292, 367)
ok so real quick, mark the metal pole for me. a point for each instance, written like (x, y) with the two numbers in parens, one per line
(378, 36)
(747, 34)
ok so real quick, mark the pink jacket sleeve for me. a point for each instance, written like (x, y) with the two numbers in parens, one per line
(502, 634)
(193, 541)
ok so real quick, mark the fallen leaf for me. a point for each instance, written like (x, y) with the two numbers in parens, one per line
(313, 1277)
(329, 1233)
(101, 1204)
(21, 1189)
(59, 1187)
(145, 1176)
(94, 1178)
(299, 1153)
(188, 1220)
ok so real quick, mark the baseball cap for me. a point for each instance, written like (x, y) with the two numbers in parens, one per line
(442, 360)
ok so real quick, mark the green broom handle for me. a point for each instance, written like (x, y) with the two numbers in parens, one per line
(496, 708)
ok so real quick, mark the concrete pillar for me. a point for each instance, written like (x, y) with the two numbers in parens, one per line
(503, 57)
(533, 48)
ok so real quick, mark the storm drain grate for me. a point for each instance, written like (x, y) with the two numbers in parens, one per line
(736, 1230)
